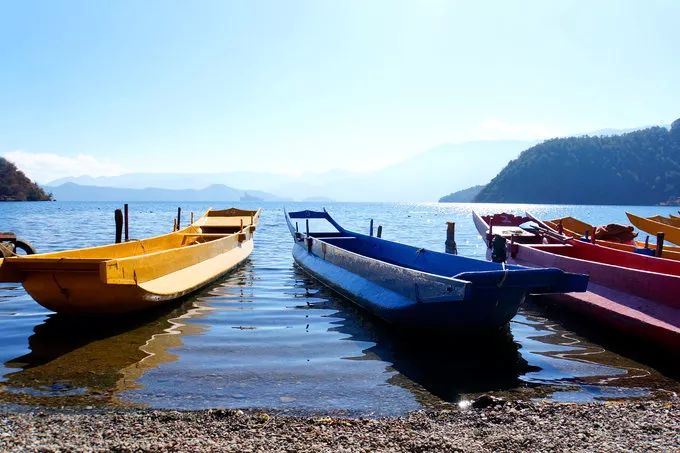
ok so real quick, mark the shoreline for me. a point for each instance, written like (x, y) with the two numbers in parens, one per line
(500, 425)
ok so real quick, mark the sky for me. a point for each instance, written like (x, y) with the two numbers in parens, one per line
(108, 87)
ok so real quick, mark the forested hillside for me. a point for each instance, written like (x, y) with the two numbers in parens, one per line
(15, 186)
(641, 167)
(462, 196)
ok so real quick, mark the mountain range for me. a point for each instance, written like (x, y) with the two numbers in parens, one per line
(423, 177)
(420, 178)
(70, 191)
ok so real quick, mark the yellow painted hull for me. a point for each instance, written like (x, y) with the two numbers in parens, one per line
(671, 234)
(672, 221)
(137, 275)
(577, 228)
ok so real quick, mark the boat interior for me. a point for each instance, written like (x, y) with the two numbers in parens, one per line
(403, 255)
(479, 272)
(211, 226)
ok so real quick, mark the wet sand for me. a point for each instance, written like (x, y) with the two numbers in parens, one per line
(501, 426)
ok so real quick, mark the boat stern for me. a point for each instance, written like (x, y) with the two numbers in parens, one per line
(534, 281)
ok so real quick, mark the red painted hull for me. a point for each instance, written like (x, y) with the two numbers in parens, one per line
(637, 302)
(635, 294)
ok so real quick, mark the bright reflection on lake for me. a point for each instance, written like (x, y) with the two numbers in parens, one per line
(268, 336)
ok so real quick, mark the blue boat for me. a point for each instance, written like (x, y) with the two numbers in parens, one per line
(416, 288)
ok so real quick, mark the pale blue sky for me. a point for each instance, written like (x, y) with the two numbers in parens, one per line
(290, 86)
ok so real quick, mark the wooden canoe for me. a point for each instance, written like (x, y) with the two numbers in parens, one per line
(136, 275)
(672, 221)
(577, 229)
(671, 233)
(416, 288)
(633, 293)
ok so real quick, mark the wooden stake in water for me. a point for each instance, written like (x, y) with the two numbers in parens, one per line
(450, 244)
(118, 217)
(127, 223)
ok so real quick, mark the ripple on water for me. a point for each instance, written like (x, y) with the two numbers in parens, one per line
(268, 336)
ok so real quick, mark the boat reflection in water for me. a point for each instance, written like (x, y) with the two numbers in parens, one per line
(75, 361)
(435, 369)
(551, 362)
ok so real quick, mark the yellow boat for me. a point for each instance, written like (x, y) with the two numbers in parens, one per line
(671, 233)
(139, 274)
(577, 228)
(672, 221)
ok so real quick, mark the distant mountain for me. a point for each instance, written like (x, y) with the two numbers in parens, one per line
(641, 167)
(261, 181)
(15, 186)
(462, 196)
(216, 192)
(423, 177)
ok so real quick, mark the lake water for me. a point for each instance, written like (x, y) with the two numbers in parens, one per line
(267, 336)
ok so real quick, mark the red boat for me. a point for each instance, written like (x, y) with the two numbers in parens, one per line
(637, 294)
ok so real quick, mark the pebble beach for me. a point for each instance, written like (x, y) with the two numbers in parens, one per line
(494, 425)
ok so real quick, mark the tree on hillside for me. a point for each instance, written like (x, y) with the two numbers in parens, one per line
(15, 186)
(641, 167)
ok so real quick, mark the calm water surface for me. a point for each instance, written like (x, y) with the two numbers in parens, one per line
(268, 336)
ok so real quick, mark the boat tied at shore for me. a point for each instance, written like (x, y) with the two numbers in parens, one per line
(139, 274)
(634, 293)
(413, 287)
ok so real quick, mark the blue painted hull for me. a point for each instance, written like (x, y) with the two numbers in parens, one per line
(401, 308)
(422, 289)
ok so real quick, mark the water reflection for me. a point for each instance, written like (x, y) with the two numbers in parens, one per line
(268, 336)
(432, 367)
(551, 362)
(88, 361)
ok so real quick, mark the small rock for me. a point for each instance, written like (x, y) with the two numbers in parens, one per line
(485, 401)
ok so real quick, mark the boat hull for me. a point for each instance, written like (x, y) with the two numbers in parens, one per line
(137, 275)
(671, 234)
(417, 288)
(85, 293)
(393, 298)
(637, 303)
(576, 228)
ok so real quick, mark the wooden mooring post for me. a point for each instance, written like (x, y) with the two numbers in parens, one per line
(127, 222)
(450, 244)
(659, 243)
(118, 218)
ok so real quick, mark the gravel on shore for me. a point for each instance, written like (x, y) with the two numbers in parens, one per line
(500, 426)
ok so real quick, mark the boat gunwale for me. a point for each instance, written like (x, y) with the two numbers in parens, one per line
(44, 263)
(442, 278)
(351, 253)
(599, 263)
(570, 241)
(633, 218)
(45, 257)
(670, 253)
